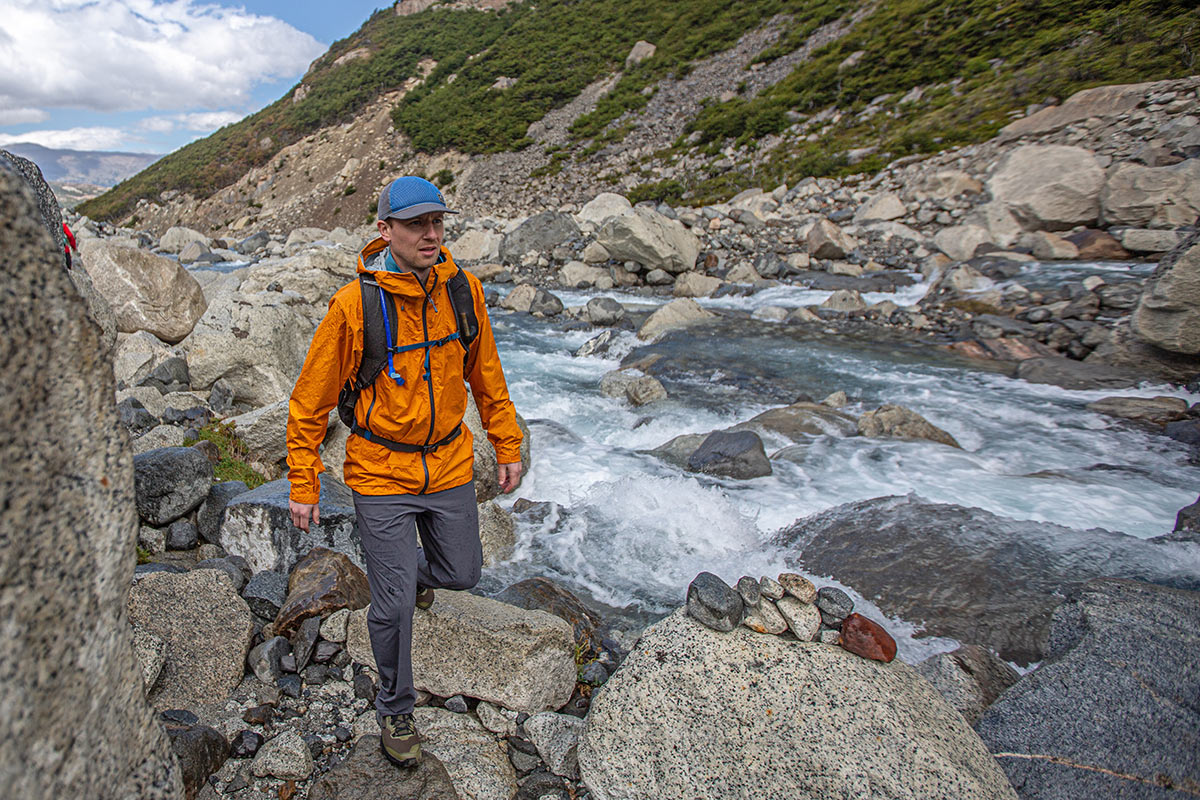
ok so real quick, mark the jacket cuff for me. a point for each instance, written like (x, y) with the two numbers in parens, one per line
(306, 495)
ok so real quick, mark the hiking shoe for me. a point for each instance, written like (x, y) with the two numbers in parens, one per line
(399, 741)
(424, 597)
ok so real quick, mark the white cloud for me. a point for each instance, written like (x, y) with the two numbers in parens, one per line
(204, 121)
(21, 116)
(72, 139)
(121, 55)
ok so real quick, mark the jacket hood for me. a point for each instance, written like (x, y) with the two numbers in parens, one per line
(401, 283)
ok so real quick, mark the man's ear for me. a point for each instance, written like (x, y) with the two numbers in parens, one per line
(383, 230)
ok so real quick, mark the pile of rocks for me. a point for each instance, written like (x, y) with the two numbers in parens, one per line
(792, 605)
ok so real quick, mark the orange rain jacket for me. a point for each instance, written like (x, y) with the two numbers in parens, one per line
(417, 412)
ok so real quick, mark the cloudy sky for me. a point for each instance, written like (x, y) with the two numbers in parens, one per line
(148, 75)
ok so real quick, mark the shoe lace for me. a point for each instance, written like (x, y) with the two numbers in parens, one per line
(401, 725)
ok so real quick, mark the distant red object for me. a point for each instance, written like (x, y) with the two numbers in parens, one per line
(70, 246)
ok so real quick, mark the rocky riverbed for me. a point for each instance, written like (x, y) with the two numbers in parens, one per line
(250, 636)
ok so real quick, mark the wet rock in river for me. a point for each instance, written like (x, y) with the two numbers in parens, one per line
(737, 454)
(1006, 575)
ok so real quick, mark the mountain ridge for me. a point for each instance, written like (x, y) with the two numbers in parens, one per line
(773, 107)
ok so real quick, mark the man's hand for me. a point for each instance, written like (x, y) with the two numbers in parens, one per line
(509, 476)
(301, 512)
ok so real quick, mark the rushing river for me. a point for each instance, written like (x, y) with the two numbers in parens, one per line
(631, 530)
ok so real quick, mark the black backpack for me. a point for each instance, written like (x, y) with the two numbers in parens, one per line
(376, 348)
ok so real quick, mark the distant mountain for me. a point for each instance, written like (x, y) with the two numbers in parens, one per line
(83, 166)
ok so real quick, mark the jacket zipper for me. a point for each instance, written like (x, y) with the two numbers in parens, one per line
(428, 379)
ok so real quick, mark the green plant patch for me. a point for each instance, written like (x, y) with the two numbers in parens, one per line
(234, 464)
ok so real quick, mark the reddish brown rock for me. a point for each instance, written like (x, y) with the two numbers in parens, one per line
(1016, 348)
(322, 582)
(1097, 246)
(868, 639)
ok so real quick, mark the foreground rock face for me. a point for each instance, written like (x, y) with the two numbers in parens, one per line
(478, 647)
(693, 713)
(1168, 315)
(1005, 576)
(77, 723)
(1113, 711)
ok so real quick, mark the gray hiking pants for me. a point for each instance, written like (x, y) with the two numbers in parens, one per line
(450, 557)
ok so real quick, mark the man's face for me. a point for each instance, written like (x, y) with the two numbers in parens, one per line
(415, 243)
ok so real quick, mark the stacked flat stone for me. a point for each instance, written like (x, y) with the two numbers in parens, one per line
(789, 605)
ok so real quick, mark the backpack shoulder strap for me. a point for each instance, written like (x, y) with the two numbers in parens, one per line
(375, 343)
(463, 304)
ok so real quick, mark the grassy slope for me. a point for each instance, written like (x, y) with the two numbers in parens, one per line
(1003, 53)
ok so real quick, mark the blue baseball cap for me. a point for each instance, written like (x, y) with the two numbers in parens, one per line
(408, 197)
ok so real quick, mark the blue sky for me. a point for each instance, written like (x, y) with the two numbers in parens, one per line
(152, 75)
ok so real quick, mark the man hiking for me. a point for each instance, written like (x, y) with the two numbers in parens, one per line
(392, 354)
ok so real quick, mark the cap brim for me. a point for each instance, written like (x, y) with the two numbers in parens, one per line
(417, 210)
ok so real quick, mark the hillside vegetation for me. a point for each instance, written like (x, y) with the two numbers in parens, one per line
(975, 62)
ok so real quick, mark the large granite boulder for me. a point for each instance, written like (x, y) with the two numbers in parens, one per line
(1113, 711)
(264, 433)
(477, 763)
(695, 713)
(367, 775)
(970, 678)
(544, 594)
(487, 482)
(482, 648)
(1152, 197)
(170, 482)
(77, 723)
(476, 246)
(682, 312)
(141, 359)
(802, 420)
(314, 274)
(898, 422)
(1004, 576)
(650, 239)
(603, 207)
(207, 627)
(147, 292)
(255, 341)
(258, 526)
(1049, 187)
(1071, 374)
(1168, 315)
(178, 237)
(541, 233)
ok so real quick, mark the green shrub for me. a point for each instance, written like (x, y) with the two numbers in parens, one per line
(233, 465)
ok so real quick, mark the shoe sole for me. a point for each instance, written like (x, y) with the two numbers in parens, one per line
(403, 763)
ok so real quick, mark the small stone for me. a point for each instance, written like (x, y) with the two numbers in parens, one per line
(181, 535)
(457, 704)
(748, 588)
(304, 640)
(333, 627)
(266, 660)
(556, 737)
(364, 687)
(829, 636)
(593, 673)
(803, 618)
(712, 602)
(179, 716)
(315, 674)
(285, 757)
(288, 663)
(770, 588)
(765, 619)
(265, 593)
(245, 744)
(342, 733)
(521, 744)
(834, 604)
(290, 685)
(541, 786)
(497, 719)
(523, 762)
(326, 651)
(867, 638)
(258, 715)
(798, 587)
